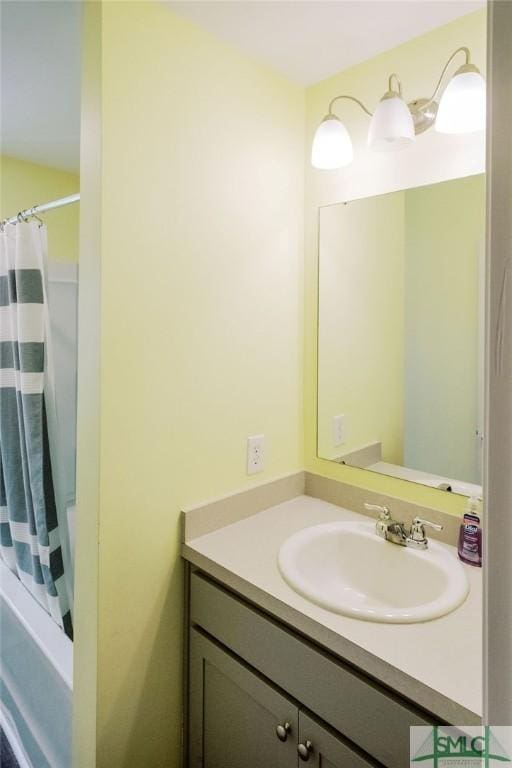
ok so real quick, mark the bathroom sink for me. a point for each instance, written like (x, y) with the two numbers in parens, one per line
(348, 569)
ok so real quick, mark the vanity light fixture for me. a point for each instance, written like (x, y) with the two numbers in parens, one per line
(462, 105)
(392, 126)
(332, 145)
(395, 123)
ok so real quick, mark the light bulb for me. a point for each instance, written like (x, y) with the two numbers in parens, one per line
(392, 126)
(462, 105)
(332, 146)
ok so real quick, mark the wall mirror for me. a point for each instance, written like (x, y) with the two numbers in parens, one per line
(401, 334)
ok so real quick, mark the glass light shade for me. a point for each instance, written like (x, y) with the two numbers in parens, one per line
(462, 105)
(332, 146)
(392, 126)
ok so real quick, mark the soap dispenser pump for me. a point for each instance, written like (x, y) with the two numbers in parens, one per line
(470, 534)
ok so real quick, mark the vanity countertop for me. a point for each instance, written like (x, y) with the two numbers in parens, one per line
(436, 664)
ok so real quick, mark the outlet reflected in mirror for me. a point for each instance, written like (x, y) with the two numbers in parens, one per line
(401, 334)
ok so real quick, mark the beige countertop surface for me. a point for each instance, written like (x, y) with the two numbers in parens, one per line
(437, 664)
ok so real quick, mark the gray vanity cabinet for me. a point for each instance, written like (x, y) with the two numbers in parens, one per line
(239, 720)
(252, 680)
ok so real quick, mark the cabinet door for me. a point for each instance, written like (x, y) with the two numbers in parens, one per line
(320, 747)
(237, 719)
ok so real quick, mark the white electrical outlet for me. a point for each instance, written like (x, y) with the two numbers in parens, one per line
(255, 454)
(339, 430)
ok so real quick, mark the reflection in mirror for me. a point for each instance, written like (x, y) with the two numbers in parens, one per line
(400, 336)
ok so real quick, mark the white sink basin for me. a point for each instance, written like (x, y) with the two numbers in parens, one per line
(348, 569)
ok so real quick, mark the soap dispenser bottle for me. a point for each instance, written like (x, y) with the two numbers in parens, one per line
(470, 534)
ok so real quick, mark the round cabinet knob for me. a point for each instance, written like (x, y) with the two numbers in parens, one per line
(305, 750)
(282, 731)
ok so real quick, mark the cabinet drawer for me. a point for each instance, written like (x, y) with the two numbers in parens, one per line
(372, 717)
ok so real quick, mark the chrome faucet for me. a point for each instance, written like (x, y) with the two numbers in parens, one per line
(397, 533)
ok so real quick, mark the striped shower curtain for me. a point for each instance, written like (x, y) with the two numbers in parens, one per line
(29, 532)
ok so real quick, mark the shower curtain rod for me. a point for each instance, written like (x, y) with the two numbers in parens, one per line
(22, 215)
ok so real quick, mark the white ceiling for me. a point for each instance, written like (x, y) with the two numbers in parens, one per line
(305, 40)
(309, 40)
(40, 81)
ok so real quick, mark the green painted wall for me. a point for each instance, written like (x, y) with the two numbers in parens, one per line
(200, 271)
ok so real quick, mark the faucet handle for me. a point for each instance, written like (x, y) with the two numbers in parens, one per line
(418, 528)
(384, 512)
